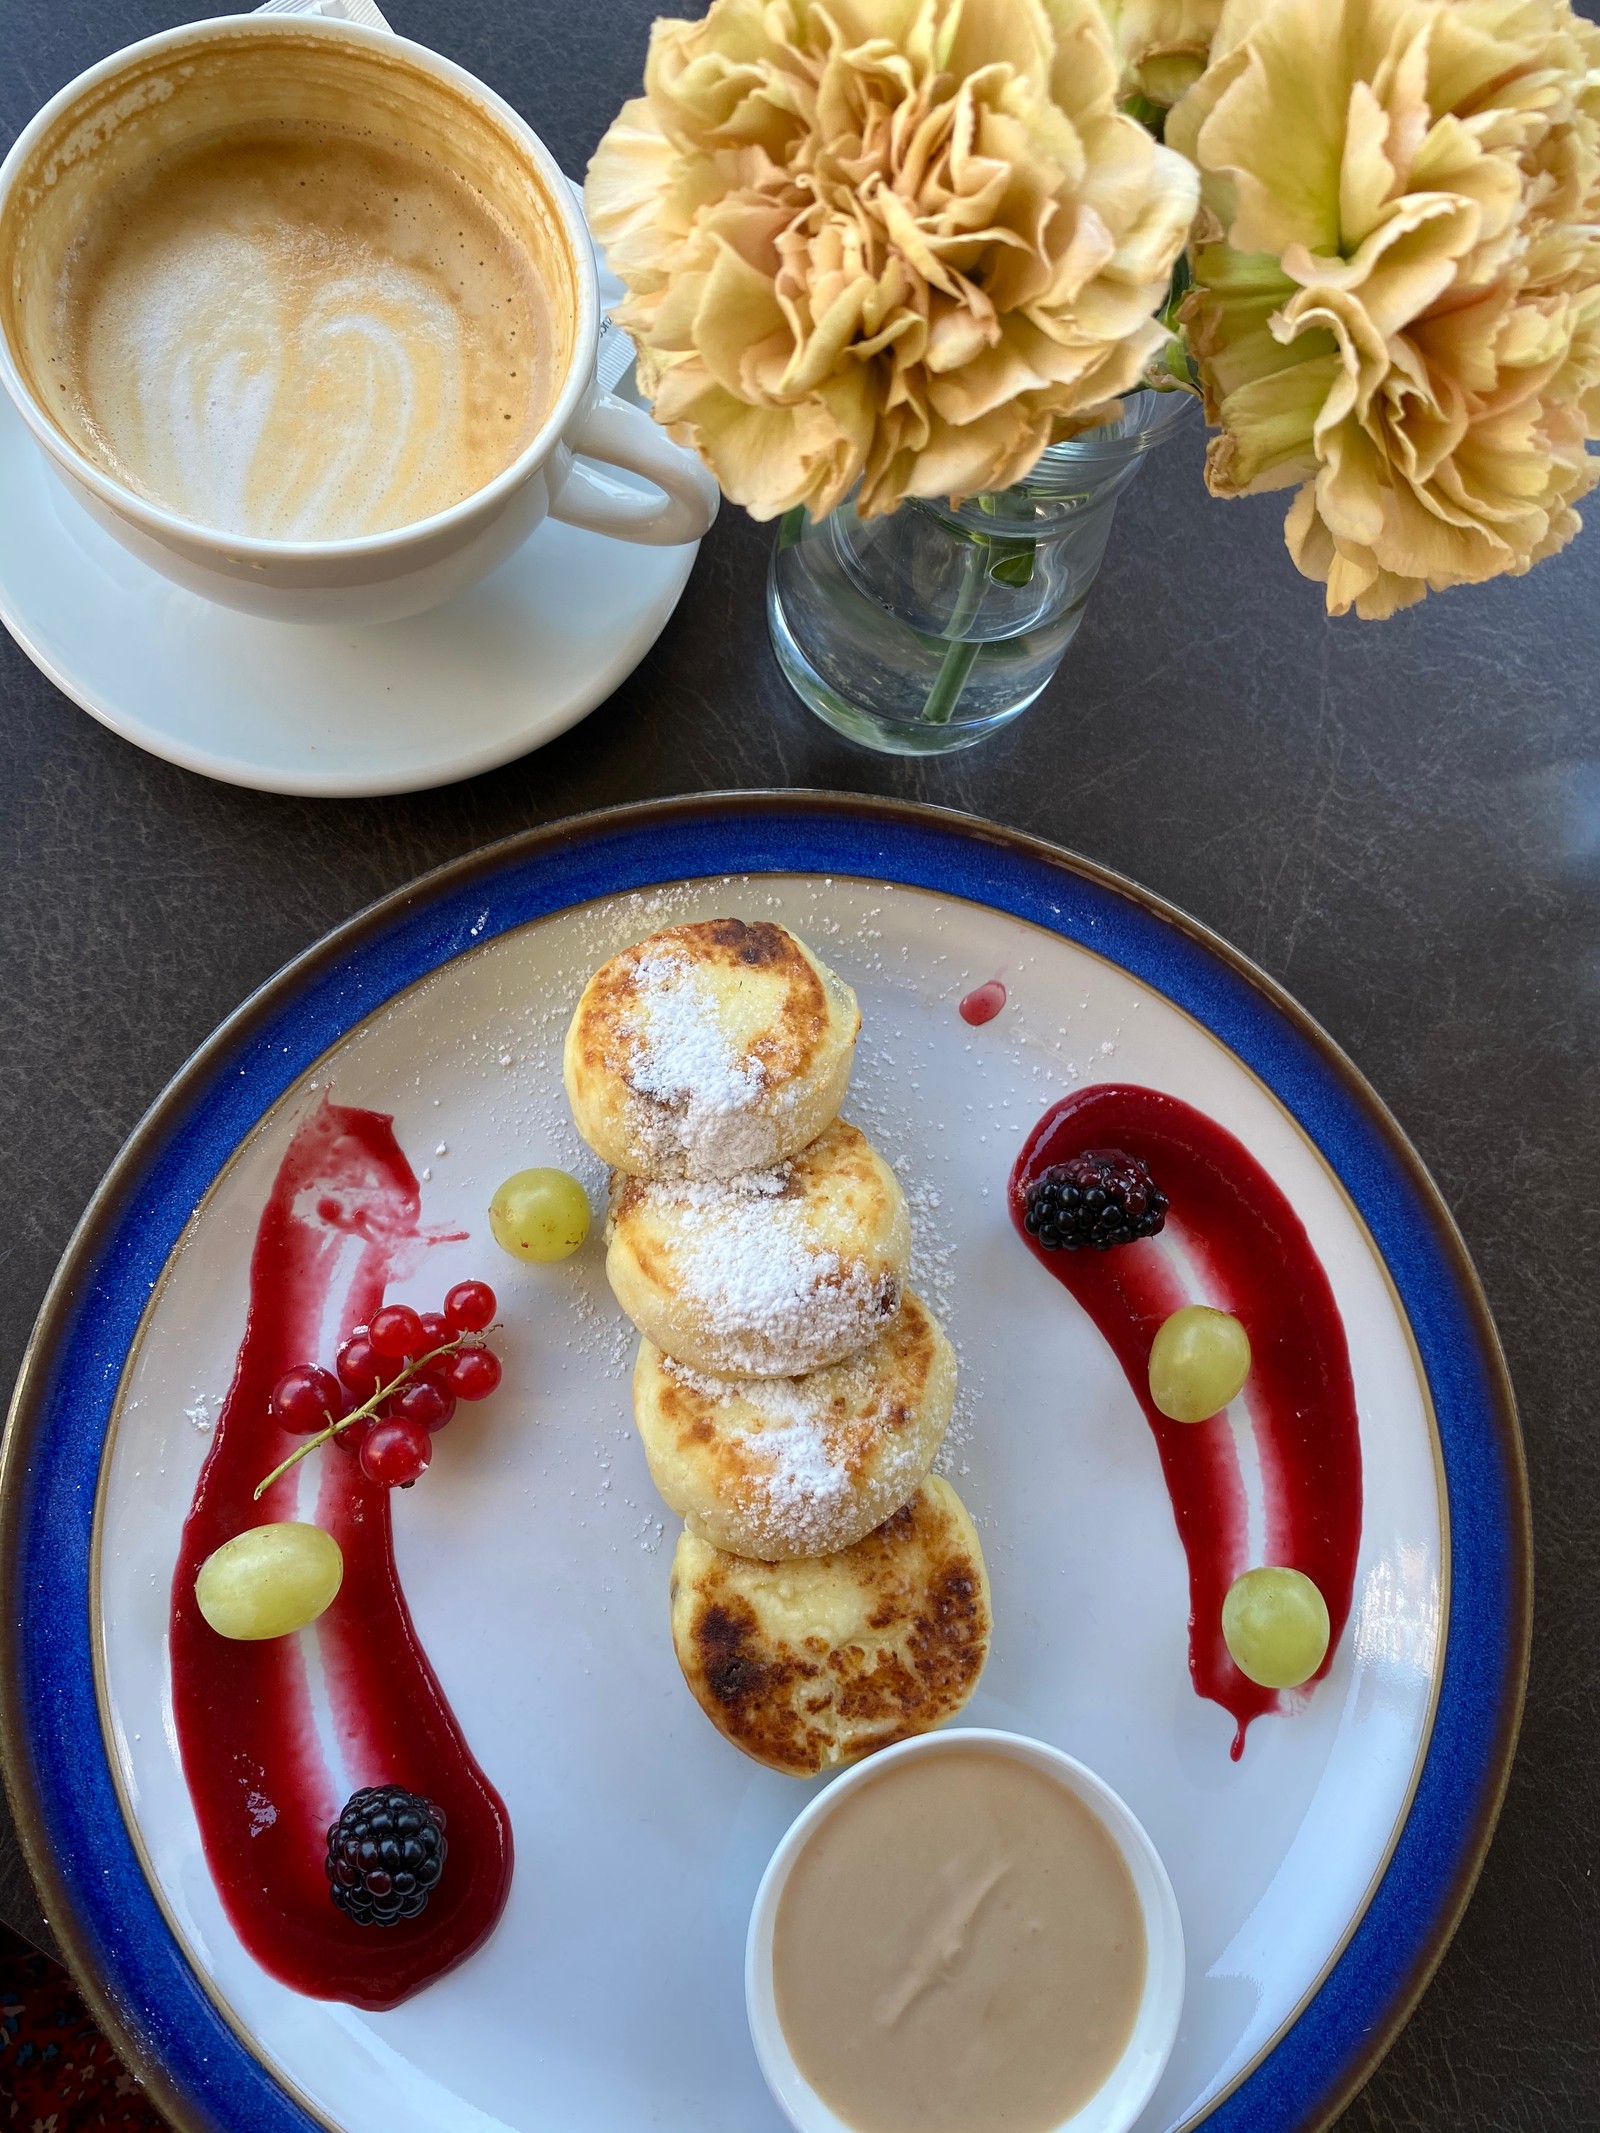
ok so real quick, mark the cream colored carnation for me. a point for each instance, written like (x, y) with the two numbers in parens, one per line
(1163, 44)
(905, 242)
(1398, 281)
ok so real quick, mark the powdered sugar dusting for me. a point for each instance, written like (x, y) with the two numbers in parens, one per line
(805, 1442)
(702, 1100)
(774, 1302)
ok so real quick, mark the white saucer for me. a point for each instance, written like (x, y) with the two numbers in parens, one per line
(326, 711)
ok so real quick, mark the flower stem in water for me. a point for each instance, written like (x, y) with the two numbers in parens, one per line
(961, 653)
(1007, 562)
(958, 662)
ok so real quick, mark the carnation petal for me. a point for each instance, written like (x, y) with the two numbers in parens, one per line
(736, 314)
(818, 357)
(1366, 176)
(1268, 429)
(1278, 129)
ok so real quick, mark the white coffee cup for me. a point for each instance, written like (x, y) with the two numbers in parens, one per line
(371, 577)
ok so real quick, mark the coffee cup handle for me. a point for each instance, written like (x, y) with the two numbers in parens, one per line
(622, 436)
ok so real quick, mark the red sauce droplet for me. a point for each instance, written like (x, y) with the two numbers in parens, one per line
(262, 1790)
(984, 1004)
(1255, 1260)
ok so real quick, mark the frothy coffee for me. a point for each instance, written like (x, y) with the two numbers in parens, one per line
(301, 334)
(288, 282)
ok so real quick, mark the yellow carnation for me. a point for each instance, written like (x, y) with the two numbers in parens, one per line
(1397, 268)
(901, 242)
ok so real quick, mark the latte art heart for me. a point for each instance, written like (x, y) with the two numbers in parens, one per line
(250, 411)
(304, 338)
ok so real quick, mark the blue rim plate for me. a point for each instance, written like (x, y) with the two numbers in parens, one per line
(95, 1894)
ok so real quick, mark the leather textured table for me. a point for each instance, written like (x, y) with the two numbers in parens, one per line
(1400, 821)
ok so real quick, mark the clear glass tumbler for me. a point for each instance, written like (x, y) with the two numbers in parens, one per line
(919, 633)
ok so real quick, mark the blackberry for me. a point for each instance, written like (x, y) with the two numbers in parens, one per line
(385, 1853)
(1099, 1198)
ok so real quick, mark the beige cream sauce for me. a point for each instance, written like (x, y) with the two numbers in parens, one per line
(959, 1949)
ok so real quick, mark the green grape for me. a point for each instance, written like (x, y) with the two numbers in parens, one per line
(540, 1215)
(1275, 1624)
(1198, 1361)
(269, 1580)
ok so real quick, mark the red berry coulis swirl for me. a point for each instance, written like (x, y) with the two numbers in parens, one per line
(1253, 1258)
(342, 1213)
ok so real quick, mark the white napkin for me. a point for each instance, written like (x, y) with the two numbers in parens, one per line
(337, 10)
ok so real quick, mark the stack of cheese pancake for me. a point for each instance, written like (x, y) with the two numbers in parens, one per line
(828, 1593)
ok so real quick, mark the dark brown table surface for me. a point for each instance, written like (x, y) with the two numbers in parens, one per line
(1400, 821)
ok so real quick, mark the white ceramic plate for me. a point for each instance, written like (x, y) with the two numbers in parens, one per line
(535, 1554)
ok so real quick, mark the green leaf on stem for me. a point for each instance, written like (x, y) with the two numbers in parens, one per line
(1015, 568)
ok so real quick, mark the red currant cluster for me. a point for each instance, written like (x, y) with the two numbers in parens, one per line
(392, 1385)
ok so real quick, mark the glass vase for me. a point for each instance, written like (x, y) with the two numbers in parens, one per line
(921, 632)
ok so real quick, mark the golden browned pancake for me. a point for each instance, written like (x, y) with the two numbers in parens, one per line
(808, 1664)
(768, 1274)
(709, 1049)
(780, 1467)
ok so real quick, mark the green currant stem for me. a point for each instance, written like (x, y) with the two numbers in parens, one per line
(363, 1413)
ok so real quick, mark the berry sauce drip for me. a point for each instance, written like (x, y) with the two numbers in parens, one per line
(1255, 1260)
(984, 1004)
(342, 1213)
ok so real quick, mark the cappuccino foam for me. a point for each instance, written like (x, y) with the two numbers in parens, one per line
(301, 333)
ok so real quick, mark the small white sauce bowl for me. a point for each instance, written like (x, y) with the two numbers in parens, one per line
(1117, 2103)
